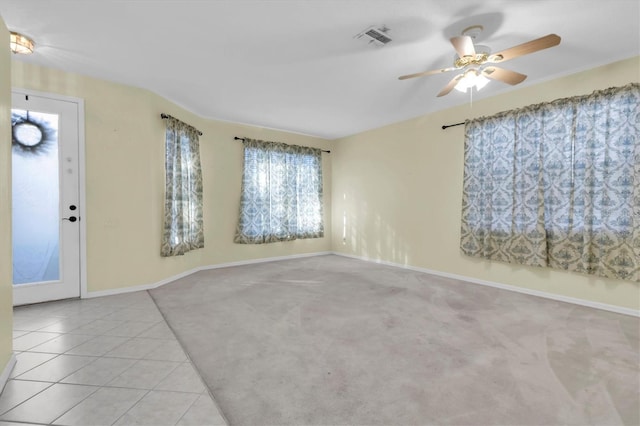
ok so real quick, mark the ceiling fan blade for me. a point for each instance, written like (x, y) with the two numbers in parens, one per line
(449, 87)
(420, 74)
(526, 48)
(463, 45)
(506, 76)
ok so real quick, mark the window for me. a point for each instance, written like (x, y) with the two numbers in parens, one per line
(557, 185)
(281, 196)
(183, 224)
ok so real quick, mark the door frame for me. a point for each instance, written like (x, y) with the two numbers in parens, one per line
(81, 176)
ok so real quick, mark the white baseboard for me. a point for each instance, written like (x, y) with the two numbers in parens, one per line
(112, 292)
(531, 292)
(265, 259)
(4, 377)
(142, 287)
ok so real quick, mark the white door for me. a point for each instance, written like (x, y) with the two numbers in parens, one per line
(45, 200)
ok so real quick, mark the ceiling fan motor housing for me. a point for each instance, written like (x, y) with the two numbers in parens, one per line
(472, 59)
(481, 56)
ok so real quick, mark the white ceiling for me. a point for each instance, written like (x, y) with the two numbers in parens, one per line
(295, 65)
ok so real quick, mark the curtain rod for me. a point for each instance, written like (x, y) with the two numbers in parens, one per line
(242, 139)
(163, 115)
(446, 126)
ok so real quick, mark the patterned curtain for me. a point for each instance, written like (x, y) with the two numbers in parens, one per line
(557, 185)
(183, 228)
(281, 193)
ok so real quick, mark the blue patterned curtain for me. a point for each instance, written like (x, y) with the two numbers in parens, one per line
(557, 184)
(183, 224)
(281, 193)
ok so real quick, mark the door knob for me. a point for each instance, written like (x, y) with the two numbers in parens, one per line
(70, 218)
(72, 207)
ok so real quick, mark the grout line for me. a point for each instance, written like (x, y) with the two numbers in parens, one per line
(79, 402)
(187, 410)
(132, 407)
(109, 311)
(193, 365)
(43, 389)
(36, 366)
(31, 380)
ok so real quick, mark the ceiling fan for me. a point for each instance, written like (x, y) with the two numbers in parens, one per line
(475, 61)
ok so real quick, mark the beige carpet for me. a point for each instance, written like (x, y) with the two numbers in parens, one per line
(329, 340)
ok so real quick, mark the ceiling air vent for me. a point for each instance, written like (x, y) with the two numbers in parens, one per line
(375, 35)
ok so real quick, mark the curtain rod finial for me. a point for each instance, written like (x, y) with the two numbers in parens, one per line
(446, 126)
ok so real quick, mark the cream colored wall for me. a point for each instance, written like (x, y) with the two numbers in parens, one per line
(397, 187)
(6, 295)
(125, 181)
(399, 190)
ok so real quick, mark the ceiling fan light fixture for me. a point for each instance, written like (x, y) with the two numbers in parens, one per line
(471, 60)
(471, 78)
(19, 43)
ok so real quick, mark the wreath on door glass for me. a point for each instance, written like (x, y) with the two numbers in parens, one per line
(31, 135)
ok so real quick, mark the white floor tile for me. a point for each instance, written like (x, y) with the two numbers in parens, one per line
(25, 361)
(40, 310)
(100, 372)
(119, 301)
(98, 346)
(56, 368)
(144, 374)
(65, 325)
(151, 314)
(97, 327)
(84, 312)
(32, 324)
(168, 350)
(202, 413)
(62, 344)
(183, 379)
(103, 407)
(135, 348)
(159, 331)
(18, 333)
(120, 362)
(159, 408)
(131, 328)
(17, 391)
(143, 304)
(29, 340)
(49, 404)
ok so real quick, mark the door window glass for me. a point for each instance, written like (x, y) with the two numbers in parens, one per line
(36, 212)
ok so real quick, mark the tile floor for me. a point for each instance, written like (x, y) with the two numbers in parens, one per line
(105, 361)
